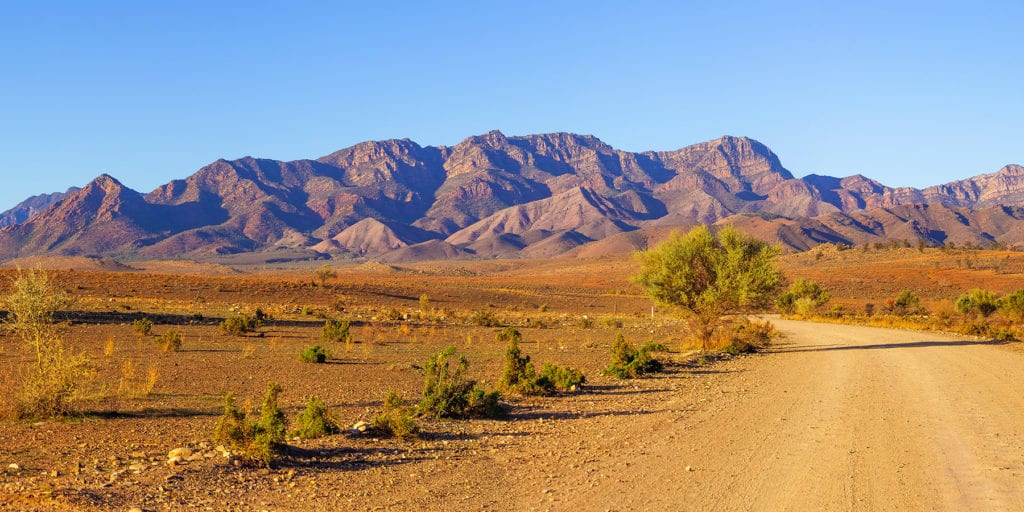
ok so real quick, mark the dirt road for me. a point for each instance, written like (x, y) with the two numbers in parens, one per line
(835, 418)
(832, 418)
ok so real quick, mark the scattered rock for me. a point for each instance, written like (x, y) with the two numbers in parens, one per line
(184, 453)
(689, 468)
(361, 427)
(13, 467)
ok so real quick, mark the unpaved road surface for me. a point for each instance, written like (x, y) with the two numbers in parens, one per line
(831, 418)
(834, 418)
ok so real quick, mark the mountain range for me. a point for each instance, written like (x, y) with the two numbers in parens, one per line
(492, 195)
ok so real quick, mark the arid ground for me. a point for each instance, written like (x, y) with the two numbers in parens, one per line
(828, 417)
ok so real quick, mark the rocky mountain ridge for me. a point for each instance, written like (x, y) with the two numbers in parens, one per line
(493, 195)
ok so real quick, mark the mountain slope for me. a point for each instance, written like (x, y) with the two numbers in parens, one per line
(31, 206)
(494, 195)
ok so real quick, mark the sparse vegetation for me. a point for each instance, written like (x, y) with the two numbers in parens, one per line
(978, 302)
(628, 362)
(257, 441)
(142, 326)
(803, 297)
(314, 354)
(520, 377)
(398, 417)
(708, 275)
(448, 393)
(484, 318)
(51, 384)
(324, 273)
(169, 341)
(315, 421)
(336, 330)
(239, 325)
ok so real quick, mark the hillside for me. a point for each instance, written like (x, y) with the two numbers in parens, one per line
(492, 195)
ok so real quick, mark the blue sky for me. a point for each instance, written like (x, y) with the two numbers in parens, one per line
(912, 95)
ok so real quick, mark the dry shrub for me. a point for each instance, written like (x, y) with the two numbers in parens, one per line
(132, 385)
(248, 350)
(50, 385)
(108, 347)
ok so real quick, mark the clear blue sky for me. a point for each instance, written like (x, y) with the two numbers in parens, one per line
(914, 94)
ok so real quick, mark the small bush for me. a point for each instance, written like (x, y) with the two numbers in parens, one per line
(484, 404)
(336, 330)
(520, 377)
(239, 325)
(398, 419)
(628, 362)
(142, 326)
(1012, 306)
(314, 421)
(562, 378)
(906, 303)
(748, 336)
(586, 322)
(257, 441)
(447, 393)
(313, 354)
(978, 301)
(49, 385)
(803, 297)
(169, 341)
(484, 318)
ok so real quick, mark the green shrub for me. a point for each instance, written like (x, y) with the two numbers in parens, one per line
(484, 404)
(169, 341)
(314, 421)
(238, 325)
(628, 362)
(256, 441)
(336, 330)
(398, 418)
(978, 301)
(906, 303)
(519, 375)
(562, 378)
(142, 326)
(803, 297)
(447, 393)
(1012, 306)
(313, 354)
(484, 318)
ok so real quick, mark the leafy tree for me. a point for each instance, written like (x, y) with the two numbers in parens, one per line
(708, 275)
(803, 297)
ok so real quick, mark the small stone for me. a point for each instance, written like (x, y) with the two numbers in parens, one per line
(174, 461)
(137, 468)
(135, 509)
(361, 426)
(138, 455)
(184, 453)
(689, 468)
(13, 467)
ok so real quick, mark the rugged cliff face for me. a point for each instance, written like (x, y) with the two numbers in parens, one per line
(495, 195)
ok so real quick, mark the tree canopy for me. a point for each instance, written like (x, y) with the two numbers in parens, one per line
(707, 275)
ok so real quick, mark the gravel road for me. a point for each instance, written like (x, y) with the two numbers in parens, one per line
(835, 417)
